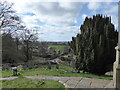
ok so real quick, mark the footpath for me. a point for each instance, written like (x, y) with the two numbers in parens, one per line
(74, 82)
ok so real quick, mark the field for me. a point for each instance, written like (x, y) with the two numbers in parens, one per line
(58, 47)
(62, 71)
(31, 83)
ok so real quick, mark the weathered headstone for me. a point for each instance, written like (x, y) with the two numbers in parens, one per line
(116, 68)
(14, 71)
(20, 68)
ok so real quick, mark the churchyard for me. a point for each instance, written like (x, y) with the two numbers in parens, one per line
(90, 59)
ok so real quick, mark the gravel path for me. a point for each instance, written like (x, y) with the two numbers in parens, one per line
(74, 82)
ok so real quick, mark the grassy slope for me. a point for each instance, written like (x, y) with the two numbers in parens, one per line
(31, 83)
(62, 71)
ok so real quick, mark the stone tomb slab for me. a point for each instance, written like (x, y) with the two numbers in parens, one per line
(99, 83)
(84, 83)
(72, 82)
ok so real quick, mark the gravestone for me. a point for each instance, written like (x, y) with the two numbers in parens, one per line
(116, 67)
(20, 68)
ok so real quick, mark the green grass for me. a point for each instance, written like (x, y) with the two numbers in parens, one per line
(58, 47)
(0, 72)
(0, 84)
(62, 71)
(31, 83)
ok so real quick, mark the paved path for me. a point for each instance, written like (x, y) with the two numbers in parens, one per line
(8, 78)
(74, 82)
(78, 82)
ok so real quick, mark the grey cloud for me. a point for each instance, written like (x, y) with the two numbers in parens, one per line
(56, 12)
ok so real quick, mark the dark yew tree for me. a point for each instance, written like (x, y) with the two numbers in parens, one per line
(94, 47)
(10, 53)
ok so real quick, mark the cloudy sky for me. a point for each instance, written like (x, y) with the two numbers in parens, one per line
(59, 21)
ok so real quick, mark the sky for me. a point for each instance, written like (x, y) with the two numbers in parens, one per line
(61, 20)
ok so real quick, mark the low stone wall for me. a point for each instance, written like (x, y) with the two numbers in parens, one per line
(6, 66)
(27, 66)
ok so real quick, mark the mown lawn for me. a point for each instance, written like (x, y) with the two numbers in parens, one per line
(31, 83)
(62, 71)
(58, 47)
(0, 71)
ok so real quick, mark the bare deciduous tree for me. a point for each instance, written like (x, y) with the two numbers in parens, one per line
(28, 37)
(10, 24)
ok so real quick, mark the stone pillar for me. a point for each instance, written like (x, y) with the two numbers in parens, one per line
(0, 58)
(116, 68)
